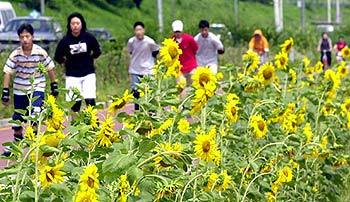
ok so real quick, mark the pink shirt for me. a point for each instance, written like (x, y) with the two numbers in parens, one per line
(189, 49)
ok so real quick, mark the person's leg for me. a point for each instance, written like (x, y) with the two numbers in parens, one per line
(329, 58)
(89, 89)
(20, 102)
(134, 81)
(214, 68)
(73, 83)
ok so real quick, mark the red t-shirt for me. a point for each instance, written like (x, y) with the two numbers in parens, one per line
(189, 49)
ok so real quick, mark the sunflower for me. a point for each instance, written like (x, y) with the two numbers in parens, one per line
(204, 78)
(90, 116)
(266, 73)
(119, 103)
(308, 132)
(318, 68)
(231, 110)
(224, 181)
(287, 45)
(183, 126)
(293, 76)
(124, 188)
(206, 148)
(52, 139)
(345, 106)
(306, 62)
(345, 52)
(334, 78)
(348, 118)
(324, 142)
(270, 197)
(86, 196)
(259, 126)
(199, 100)
(289, 123)
(174, 70)
(29, 134)
(89, 178)
(252, 60)
(51, 175)
(281, 60)
(55, 115)
(107, 136)
(213, 177)
(285, 174)
(170, 52)
(343, 70)
(166, 147)
(328, 109)
(181, 83)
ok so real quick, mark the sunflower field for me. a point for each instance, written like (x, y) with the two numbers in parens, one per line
(272, 132)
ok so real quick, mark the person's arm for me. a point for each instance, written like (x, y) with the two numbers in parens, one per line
(5, 97)
(330, 45)
(218, 44)
(319, 46)
(96, 50)
(59, 53)
(130, 48)
(154, 48)
(194, 46)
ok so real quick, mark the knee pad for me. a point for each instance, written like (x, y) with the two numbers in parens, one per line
(90, 102)
(76, 106)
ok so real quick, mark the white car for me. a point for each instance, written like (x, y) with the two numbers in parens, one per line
(6, 13)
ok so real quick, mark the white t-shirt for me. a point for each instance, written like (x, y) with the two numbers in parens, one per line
(207, 53)
(142, 61)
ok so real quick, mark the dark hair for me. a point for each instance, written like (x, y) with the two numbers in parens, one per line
(25, 27)
(76, 15)
(138, 23)
(203, 24)
(323, 33)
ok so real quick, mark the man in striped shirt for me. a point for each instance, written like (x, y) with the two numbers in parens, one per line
(24, 63)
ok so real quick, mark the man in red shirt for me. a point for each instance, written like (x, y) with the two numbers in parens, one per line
(189, 49)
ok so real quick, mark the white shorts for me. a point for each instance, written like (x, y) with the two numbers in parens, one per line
(85, 85)
(214, 68)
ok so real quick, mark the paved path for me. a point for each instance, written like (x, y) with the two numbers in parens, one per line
(6, 133)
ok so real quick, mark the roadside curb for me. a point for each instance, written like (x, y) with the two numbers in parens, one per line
(5, 122)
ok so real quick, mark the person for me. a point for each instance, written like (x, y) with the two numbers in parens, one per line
(260, 45)
(209, 47)
(325, 47)
(143, 51)
(78, 51)
(339, 46)
(189, 49)
(29, 80)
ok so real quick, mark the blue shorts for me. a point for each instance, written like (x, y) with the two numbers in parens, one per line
(22, 102)
(135, 80)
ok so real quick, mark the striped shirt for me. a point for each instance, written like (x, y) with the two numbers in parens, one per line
(26, 67)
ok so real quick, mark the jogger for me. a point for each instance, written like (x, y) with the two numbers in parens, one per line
(78, 51)
(29, 80)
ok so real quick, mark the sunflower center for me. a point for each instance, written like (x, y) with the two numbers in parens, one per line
(267, 74)
(282, 61)
(90, 182)
(50, 175)
(206, 146)
(121, 105)
(233, 111)
(203, 79)
(172, 52)
(343, 70)
(347, 106)
(261, 125)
